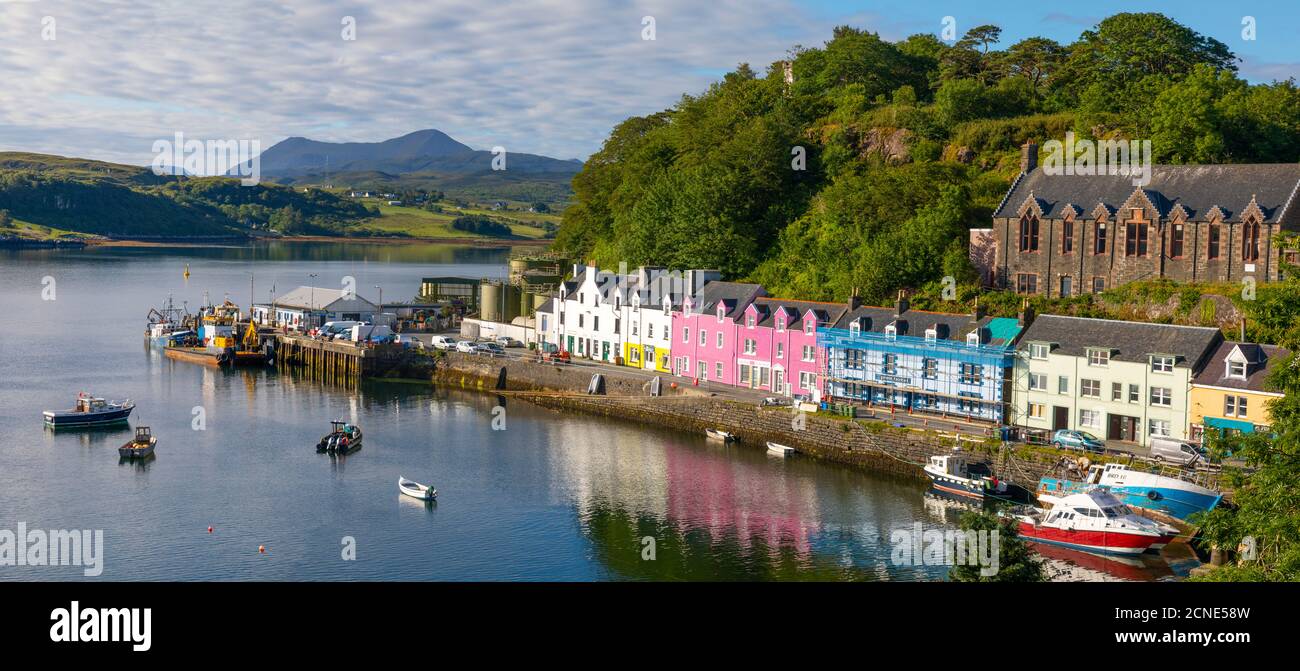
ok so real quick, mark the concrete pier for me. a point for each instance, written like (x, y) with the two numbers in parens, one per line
(335, 362)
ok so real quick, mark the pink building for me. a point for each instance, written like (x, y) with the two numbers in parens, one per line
(731, 333)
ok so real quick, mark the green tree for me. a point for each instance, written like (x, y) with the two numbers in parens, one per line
(1016, 563)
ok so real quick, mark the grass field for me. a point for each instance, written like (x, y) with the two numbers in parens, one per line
(420, 223)
(30, 231)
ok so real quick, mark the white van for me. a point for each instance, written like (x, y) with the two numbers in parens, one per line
(372, 332)
(332, 330)
(443, 342)
(1172, 451)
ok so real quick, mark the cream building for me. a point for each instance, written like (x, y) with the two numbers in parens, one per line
(1121, 381)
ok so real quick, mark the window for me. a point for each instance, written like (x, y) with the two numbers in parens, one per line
(1176, 241)
(686, 334)
(1067, 237)
(1089, 418)
(595, 322)
(853, 359)
(1029, 234)
(1162, 364)
(750, 346)
(1038, 351)
(1037, 410)
(704, 337)
(855, 329)
(720, 339)
(1134, 393)
(749, 321)
(971, 373)
(809, 327)
(1212, 246)
(1162, 396)
(780, 350)
(633, 328)
(1090, 388)
(650, 330)
(1037, 382)
(1067, 286)
(1099, 238)
(889, 364)
(973, 338)
(744, 374)
(930, 368)
(1237, 370)
(1062, 385)
(1158, 428)
(891, 332)
(1135, 234)
(931, 336)
(1250, 241)
(809, 353)
(780, 323)
(703, 367)
(1234, 406)
(1026, 283)
(807, 380)
(1116, 391)
(1098, 357)
(579, 321)
(1098, 285)
(717, 368)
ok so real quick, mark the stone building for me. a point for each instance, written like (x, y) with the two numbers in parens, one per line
(1061, 234)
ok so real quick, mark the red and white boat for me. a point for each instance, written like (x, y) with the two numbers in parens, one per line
(1093, 521)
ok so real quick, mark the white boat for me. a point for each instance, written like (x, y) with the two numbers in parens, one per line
(718, 434)
(416, 490)
(779, 449)
(953, 474)
(1172, 497)
(1093, 521)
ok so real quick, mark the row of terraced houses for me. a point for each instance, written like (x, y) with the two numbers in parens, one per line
(1124, 381)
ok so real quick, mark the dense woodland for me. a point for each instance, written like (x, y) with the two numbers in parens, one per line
(908, 144)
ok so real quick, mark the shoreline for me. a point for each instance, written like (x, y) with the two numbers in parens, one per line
(243, 242)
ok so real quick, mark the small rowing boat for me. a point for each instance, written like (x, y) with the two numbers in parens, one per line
(140, 447)
(779, 449)
(718, 434)
(416, 490)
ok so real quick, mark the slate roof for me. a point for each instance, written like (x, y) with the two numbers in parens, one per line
(949, 326)
(1198, 188)
(548, 307)
(308, 298)
(736, 295)
(826, 313)
(1129, 341)
(1264, 358)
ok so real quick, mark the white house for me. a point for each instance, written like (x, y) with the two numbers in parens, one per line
(307, 307)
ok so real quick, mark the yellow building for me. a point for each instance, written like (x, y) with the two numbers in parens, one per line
(1231, 392)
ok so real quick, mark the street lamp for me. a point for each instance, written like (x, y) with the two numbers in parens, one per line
(311, 307)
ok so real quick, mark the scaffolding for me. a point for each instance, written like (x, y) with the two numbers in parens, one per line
(940, 376)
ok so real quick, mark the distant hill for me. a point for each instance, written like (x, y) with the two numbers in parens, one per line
(426, 159)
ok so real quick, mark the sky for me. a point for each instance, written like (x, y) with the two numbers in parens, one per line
(107, 79)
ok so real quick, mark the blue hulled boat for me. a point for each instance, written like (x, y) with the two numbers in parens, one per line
(90, 411)
(1171, 497)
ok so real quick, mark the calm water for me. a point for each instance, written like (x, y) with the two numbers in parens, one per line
(553, 497)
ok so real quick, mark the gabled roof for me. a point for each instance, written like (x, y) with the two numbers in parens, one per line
(1128, 341)
(314, 298)
(916, 322)
(548, 307)
(1264, 359)
(826, 313)
(735, 296)
(1198, 188)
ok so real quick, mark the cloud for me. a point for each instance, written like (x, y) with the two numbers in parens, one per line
(545, 76)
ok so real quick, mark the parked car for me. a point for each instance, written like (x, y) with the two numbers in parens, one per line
(465, 346)
(1178, 452)
(555, 356)
(489, 348)
(442, 342)
(1077, 440)
(507, 341)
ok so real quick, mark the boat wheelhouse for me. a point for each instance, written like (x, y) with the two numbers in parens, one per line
(952, 473)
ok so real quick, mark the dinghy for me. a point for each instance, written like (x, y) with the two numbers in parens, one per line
(140, 447)
(717, 434)
(416, 490)
(779, 449)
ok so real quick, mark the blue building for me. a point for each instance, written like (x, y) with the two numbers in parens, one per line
(932, 362)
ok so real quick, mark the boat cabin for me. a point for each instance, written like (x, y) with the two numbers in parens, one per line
(950, 464)
(143, 434)
(90, 404)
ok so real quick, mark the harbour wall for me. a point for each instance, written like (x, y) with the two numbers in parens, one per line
(871, 445)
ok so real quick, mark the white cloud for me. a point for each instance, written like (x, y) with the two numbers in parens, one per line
(548, 76)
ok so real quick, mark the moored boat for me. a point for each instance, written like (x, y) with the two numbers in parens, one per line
(952, 473)
(165, 322)
(416, 490)
(779, 449)
(343, 438)
(1167, 496)
(90, 411)
(718, 434)
(140, 447)
(1092, 521)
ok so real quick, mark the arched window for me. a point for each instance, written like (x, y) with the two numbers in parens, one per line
(1029, 233)
(1250, 241)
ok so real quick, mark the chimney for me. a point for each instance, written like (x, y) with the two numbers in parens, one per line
(901, 306)
(978, 313)
(1026, 314)
(1028, 157)
(854, 301)
(1243, 329)
(577, 269)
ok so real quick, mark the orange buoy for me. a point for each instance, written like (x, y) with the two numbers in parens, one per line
(261, 549)
(209, 528)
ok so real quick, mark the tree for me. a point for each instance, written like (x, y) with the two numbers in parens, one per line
(1036, 58)
(5, 220)
(1015, 561)
(1125, 48)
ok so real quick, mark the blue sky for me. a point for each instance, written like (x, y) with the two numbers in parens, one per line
(545, 76)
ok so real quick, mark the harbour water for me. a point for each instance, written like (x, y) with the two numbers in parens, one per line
(551, 497)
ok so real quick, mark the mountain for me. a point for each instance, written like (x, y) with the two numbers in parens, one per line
(425, 151)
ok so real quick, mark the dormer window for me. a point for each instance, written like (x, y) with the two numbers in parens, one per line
(1099, 357)
(973, 338)
(780, 324)
(1039, 351)
(809, 326)
(891, 332)
(1162, 364)
(749, 321)
(855, 329)
(1237, 370)
(931, 335)
(721, 313)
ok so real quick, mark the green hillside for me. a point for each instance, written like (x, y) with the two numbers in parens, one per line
(905, 146)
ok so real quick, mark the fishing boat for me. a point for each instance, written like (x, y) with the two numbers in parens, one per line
(343, 438)
(1166, 496)
(140, 447)
(416, 490)
(1093, 521)
(90, 411)
(779, 449)
(952, 473)
(718, 434)
(165, 322)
